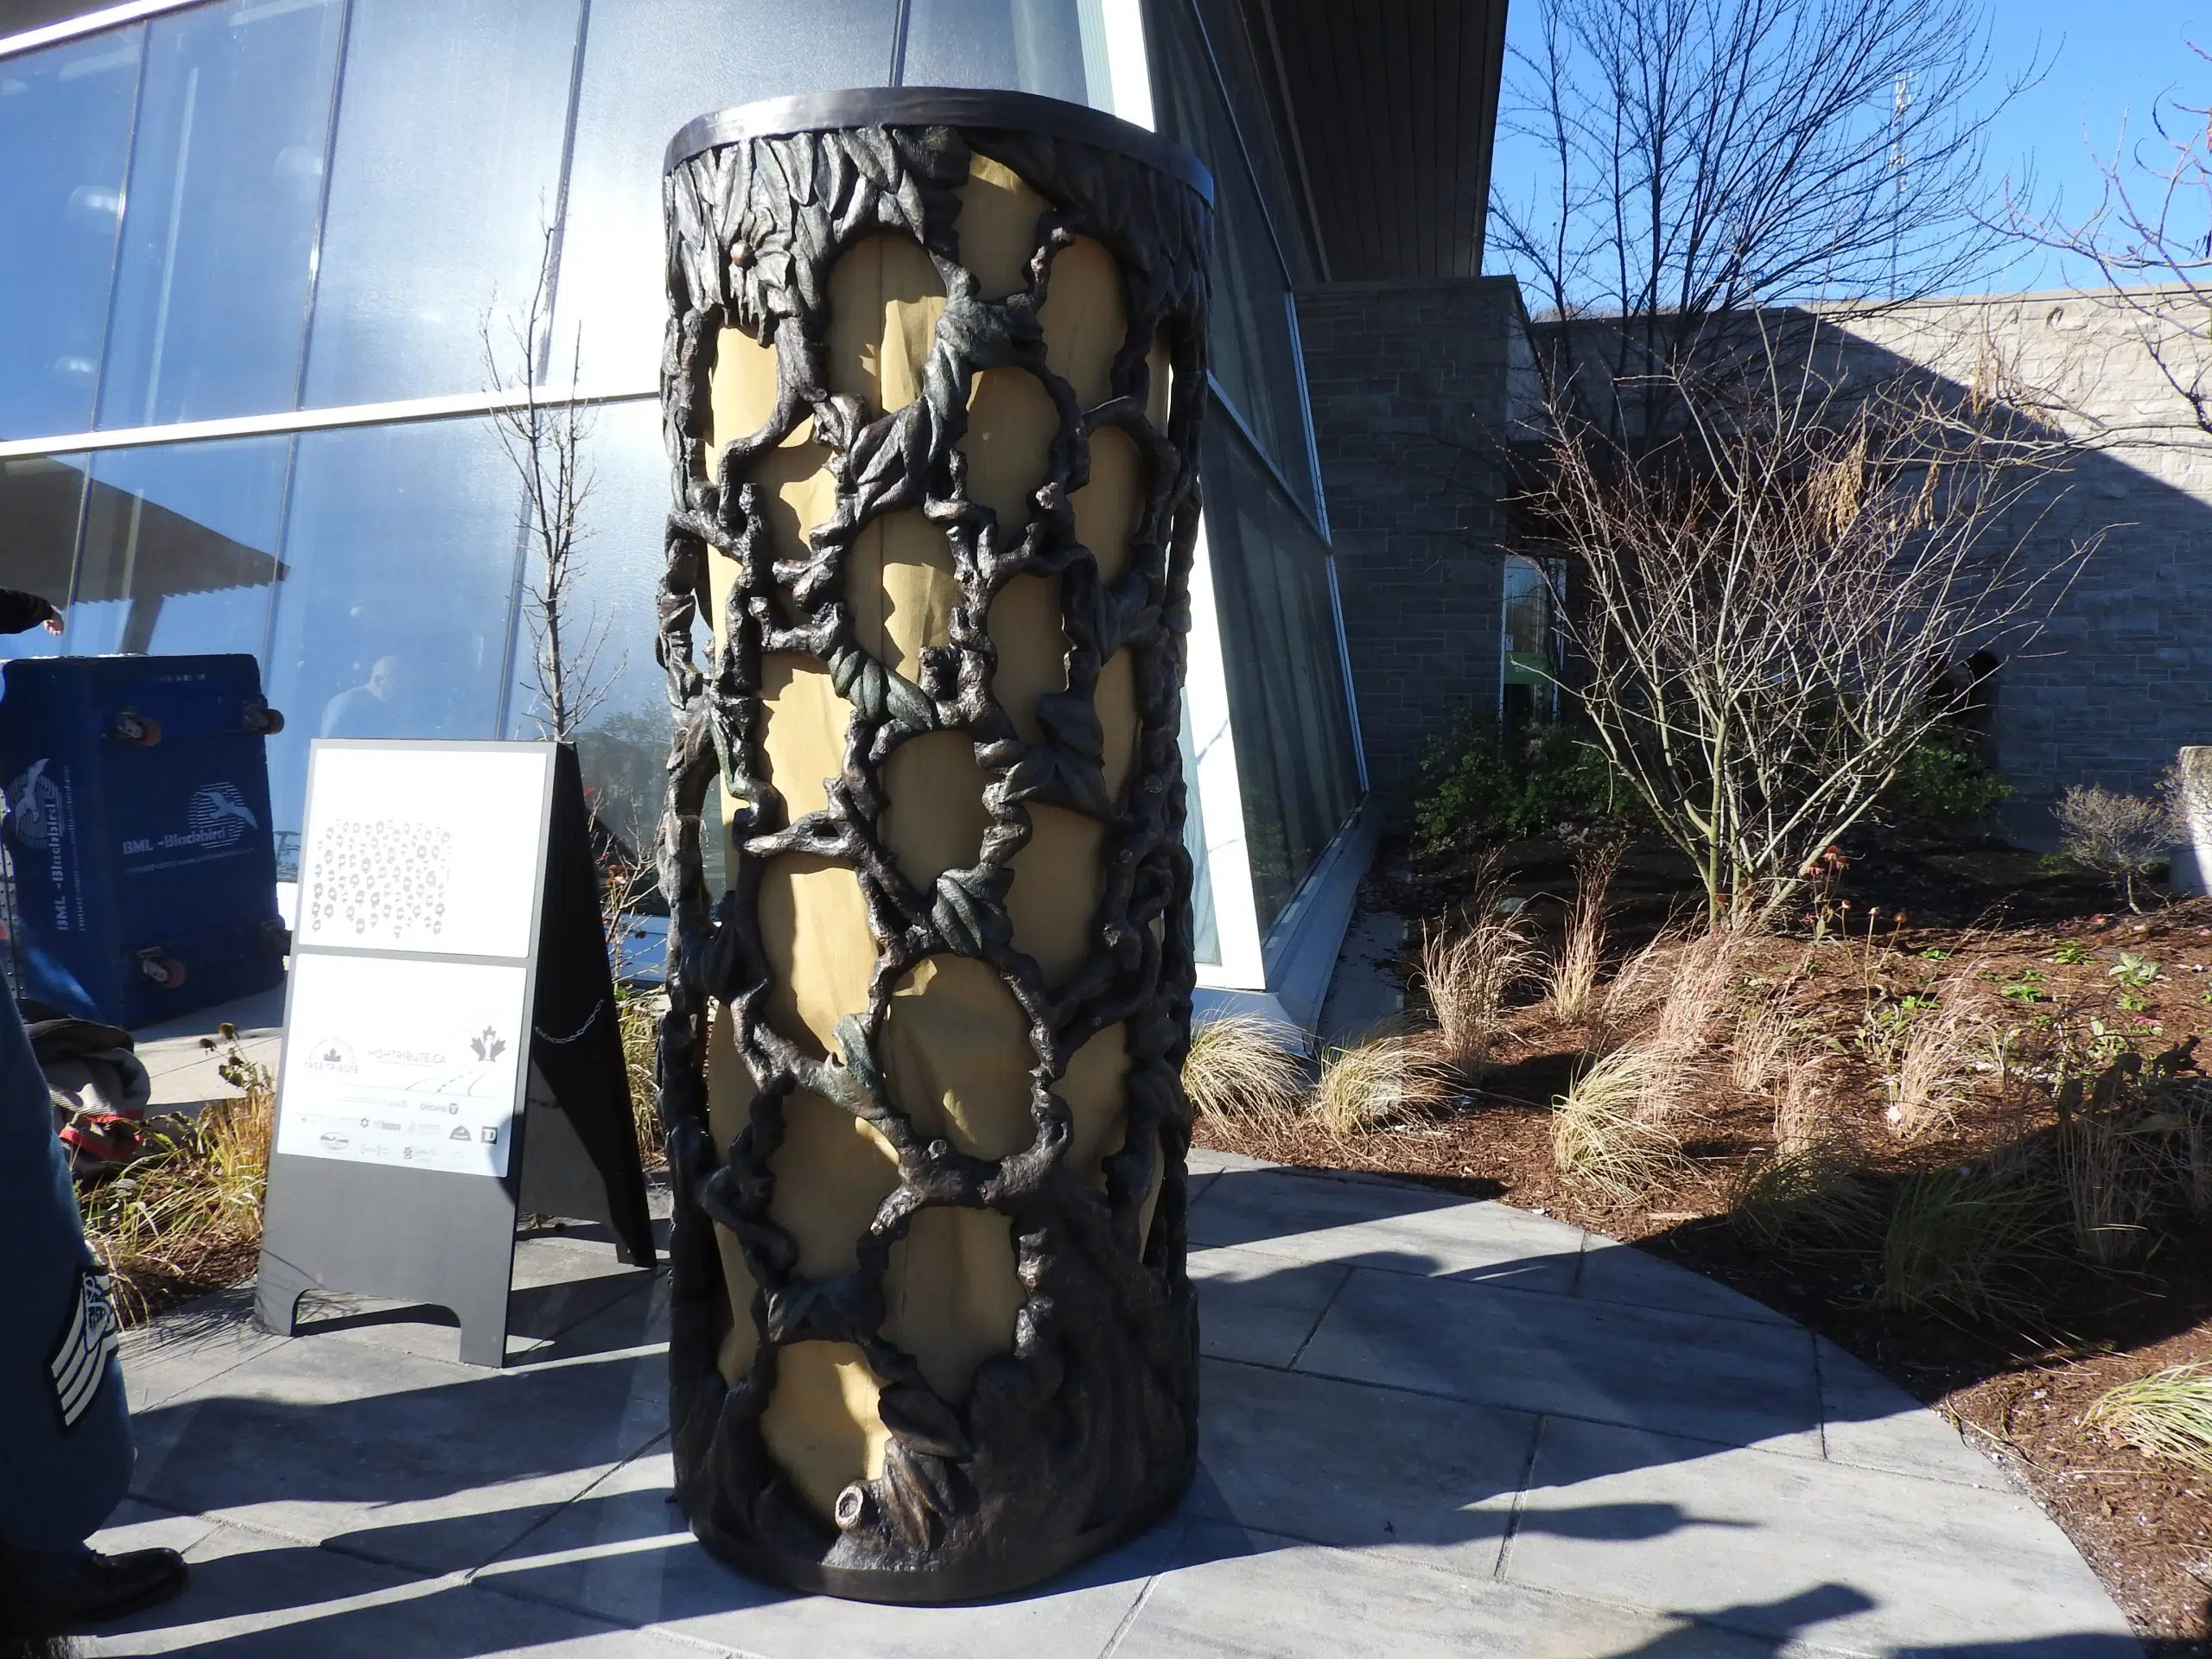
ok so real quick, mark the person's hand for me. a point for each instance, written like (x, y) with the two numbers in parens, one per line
(52, 625)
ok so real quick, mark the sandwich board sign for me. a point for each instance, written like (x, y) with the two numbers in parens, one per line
(452, 1057)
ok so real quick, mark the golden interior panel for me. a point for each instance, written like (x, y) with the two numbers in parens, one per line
(1084, 318)
(729, 1107)
(1058, 879)
(822, 1425)
(956, 1057)
(832, 1172)
(951, 1293)
(1117, 701)
(899, 588)
(1107, 508)
(1092, 1088)
(997, 226)
(936, 819)
(1160, 364)
(1011, 424)
(885, 301)
(802, 495)
(1033, 648)
(802, 730)
(814, 929)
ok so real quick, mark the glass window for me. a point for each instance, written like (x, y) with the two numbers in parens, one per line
(225, 188)
(1206, 931)
(65, 134)
(1294, 759)
(446, 171)
(1254, 351)
(1241, 51)
(1527, 662)
(179, 548)
(650, 66)
(1056, 47)
(396, 607)
(610, 620)
(41, 496)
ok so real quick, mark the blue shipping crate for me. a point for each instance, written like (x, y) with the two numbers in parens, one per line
(138, 827)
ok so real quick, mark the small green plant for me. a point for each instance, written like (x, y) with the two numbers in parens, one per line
(1961, 1242)
(2072, 953)
(2132, 1002)
(1943, 783)
(2025, 987)
(2133, 969)
(1932, 954)
(2167, 1415)
(1476, 784)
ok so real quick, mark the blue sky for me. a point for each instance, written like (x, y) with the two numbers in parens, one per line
(2111, 61)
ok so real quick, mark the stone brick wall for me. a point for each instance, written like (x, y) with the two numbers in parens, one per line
(2122, 678)
(1411, 385)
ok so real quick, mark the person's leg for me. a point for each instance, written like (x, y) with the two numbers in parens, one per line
(65, 1424)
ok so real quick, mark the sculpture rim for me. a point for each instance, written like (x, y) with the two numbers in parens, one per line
(963, 107)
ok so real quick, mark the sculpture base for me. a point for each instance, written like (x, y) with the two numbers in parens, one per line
(967, 1581)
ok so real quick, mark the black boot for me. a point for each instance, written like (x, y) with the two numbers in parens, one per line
(104, 1587)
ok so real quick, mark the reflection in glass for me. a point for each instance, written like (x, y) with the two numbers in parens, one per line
(650, 66)
(611, 617)
(446, 169)
(40, 499)
(1294, 758)
(1206, 933)
(1240, 53)
(225, 187)
(65, 138)
(178, 548)
(397, 603)
(1055, 47)
(1254, 351)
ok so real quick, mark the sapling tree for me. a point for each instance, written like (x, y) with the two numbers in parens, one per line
(1760, 604)
(546, 436)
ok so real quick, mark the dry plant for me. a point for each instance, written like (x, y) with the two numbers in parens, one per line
(1247, 1072)
(2125, 837)
(2166, 1414)
(2108, 1172)
(1805, 1191)
(1390, 1073)
(1760, 596)
(186, 1215)
(1634, 991)
(1935, 1055)
(1599, 1136)
(1966, 1243)
(1572, 978)
(1466, 976)
(1760, 1040)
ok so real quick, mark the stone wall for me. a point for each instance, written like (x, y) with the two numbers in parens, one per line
(1411, 385)
(2121, 679)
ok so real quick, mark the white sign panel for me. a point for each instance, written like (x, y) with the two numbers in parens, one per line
(422, 849)
(406, 1063)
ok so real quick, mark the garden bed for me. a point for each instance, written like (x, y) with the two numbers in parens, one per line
(2058, 986)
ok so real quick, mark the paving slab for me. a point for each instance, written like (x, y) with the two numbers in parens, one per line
(1428, 1426)
(257, 1597)
(1730, 1380)
(1934, 1566)
(186, 1074)
(1232, 1596)
(1614, 1272)
(1399, 1474)
(1262, 1308)
(1387, 1225)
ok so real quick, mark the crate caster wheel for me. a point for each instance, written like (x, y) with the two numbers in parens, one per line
(260, 717)
(131, 727)
(165, 971)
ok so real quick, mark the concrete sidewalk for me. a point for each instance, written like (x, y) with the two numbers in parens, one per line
(1432, 1426)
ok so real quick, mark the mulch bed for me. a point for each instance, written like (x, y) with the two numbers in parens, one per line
(2019, 1389)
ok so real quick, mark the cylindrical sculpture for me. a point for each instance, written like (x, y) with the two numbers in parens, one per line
(933, 386)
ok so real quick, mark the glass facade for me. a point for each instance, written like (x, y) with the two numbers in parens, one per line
(241, 209)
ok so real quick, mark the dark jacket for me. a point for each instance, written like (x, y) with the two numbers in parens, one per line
(20, 611)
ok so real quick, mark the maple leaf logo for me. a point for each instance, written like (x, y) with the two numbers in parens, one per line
(489, 1046)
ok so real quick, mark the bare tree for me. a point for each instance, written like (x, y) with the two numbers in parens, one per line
(1765, 601)
(1704, 159)
(546, 438)
(2150, 239)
